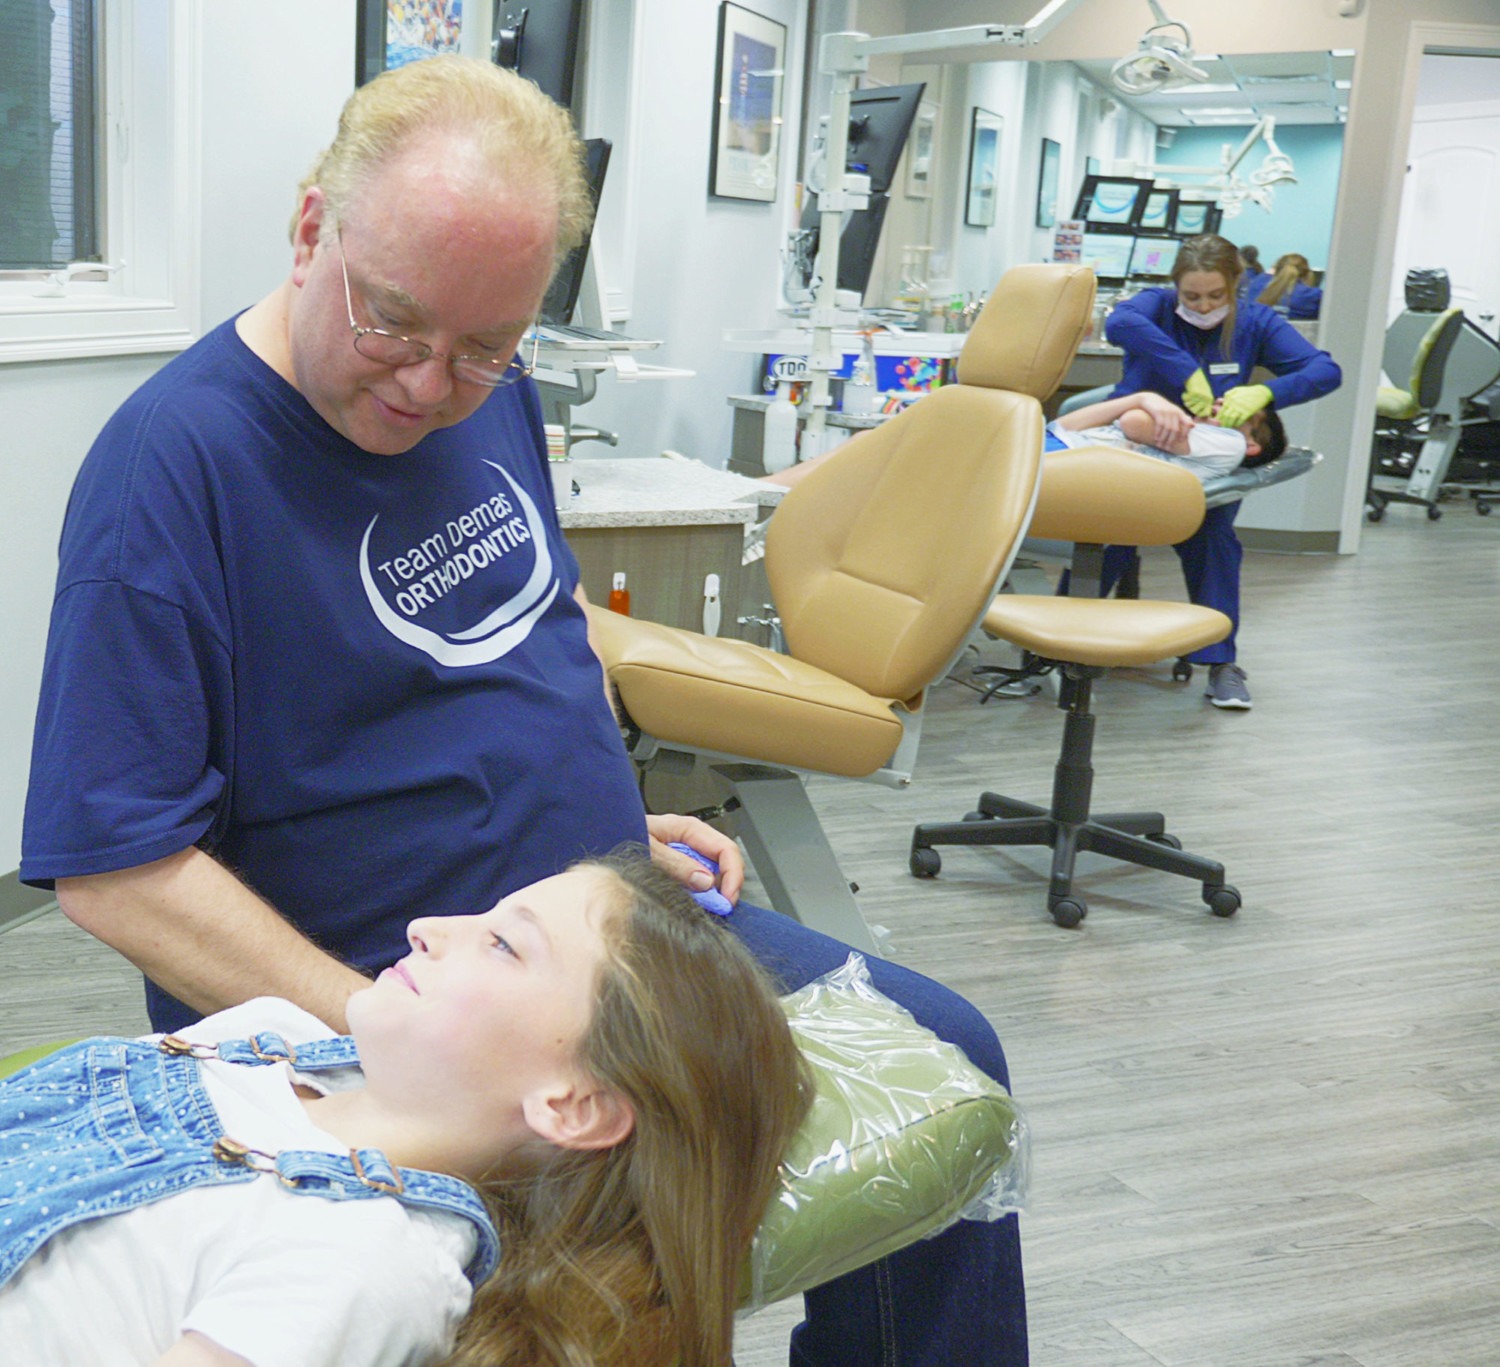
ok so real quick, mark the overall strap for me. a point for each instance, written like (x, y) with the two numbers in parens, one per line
(362, 1174)
(269, 1047)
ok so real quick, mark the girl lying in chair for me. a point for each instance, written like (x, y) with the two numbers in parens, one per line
(596, 1057)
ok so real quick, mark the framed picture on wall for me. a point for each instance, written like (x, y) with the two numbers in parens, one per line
(392, 33)
(746, 151)
(919, 152)
(1046, 185)
(984, 168)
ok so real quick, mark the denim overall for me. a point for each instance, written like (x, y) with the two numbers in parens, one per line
(106, 1125)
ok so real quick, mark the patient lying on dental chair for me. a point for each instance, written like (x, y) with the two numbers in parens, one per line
(1155, 426)
(591, 1085)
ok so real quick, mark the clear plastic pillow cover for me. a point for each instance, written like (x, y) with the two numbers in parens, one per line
(905, 1138)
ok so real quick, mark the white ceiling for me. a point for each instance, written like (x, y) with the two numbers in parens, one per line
(1294, 87)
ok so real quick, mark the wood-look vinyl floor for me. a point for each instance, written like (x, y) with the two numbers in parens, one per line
(1267, 1140)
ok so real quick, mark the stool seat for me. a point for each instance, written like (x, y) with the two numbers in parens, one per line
(730, 696)
(1103, 632)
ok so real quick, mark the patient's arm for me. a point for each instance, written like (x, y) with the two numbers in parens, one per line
(1170, 424)
(197, 1350)
(1140, 426)
(194, 929)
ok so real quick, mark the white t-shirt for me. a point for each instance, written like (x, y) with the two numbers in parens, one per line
(1211, 450)
(281, 1279)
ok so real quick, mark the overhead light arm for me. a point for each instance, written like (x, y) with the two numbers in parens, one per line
(1160, 60)
(845, 56)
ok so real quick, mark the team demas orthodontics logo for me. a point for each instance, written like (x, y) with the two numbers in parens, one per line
(471, 546)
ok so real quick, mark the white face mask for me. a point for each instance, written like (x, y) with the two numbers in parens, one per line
(1211, 319)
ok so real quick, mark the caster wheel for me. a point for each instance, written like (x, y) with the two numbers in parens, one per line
(977, 816)
(1374, 514)
(1434, 514)
(1182, 671)
(1067, 911)
(1483, 509)
(925, 863)
(1224, 901)
(1170, 841)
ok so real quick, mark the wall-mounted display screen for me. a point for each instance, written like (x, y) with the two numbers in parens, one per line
(1156, 215)
(1111, 202)
(1153, 256)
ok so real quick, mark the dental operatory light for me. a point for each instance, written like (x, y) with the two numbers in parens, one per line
(1161, 61)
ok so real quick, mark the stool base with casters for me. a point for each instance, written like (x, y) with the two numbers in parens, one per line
(1069, 827)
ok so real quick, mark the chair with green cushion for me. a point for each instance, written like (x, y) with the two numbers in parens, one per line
(905, 1134)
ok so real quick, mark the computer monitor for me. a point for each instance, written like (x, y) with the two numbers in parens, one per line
(1194, 217)
(562, 294)
(539, 39)
(1111, 203)
(858, 240)
(1108, 255)
(879, 120)
(1153, 257)
(1156, 215)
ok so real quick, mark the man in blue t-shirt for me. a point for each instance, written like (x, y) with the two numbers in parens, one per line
(318, 664)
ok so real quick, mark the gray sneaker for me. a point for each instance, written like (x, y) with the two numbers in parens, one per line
(1226, 687)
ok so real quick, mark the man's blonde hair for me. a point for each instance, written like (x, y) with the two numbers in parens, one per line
(517, 132)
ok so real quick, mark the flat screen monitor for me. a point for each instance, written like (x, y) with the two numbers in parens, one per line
(539, 38)
(1107, 254)
(858, 240)
(1113, 203)
(879, 120)
(562, 294)
(1153, 257)
(1194, 217)
(1156, 215)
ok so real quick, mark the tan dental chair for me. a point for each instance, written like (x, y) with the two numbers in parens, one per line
(882, 562)
(1097, 495)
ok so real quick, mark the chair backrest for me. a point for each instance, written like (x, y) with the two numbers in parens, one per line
(1432, 355)
(1109, 496)
(1028, 332)
(883, 560)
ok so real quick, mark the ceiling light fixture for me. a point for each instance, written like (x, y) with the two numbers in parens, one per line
(1161, 60)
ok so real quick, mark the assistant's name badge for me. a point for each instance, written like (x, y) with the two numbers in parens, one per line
(1225, 368)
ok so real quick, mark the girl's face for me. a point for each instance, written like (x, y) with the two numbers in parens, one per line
(1202, 291)
(488, 1007)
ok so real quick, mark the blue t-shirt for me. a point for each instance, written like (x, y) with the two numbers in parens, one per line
(1162, 351)
(361, 681)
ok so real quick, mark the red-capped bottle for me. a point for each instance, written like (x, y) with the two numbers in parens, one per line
(619, 595)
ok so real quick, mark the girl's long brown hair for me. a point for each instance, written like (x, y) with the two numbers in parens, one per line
(1291, 269)
(631, 1256)
(1213, 253)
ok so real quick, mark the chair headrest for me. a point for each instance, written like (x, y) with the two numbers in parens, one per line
(1029, 329)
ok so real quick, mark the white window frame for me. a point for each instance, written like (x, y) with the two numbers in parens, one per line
(149, 57)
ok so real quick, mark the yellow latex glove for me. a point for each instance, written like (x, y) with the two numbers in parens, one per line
(1241, 402)
(1197, 397)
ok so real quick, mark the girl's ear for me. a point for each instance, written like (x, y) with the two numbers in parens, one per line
(584, 1116)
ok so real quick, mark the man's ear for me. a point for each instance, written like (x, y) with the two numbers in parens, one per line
(1252, 447)
(307, 231)
(583, 1116)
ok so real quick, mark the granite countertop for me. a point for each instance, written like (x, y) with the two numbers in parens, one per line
(654, 492)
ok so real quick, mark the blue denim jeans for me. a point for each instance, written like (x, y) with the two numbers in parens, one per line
(955, 1299)
(106, 1125)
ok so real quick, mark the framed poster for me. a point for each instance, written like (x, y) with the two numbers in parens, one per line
(747, 106)
(919, 151)
(1046, 185)
(392, 33)
(984, 168)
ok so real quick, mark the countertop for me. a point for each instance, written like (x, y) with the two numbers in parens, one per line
(656, 492)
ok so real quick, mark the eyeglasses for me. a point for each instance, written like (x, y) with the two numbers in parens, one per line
(387, 348)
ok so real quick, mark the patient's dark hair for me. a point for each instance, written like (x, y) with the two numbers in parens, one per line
(1268, 433)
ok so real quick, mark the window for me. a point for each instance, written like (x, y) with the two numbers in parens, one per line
(47, 166)
(98, 177)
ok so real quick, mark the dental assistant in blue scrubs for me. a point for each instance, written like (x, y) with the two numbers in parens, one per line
(1196, 344)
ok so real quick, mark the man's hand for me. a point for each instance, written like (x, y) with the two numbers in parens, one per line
(698, 835)
(1169, 424)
